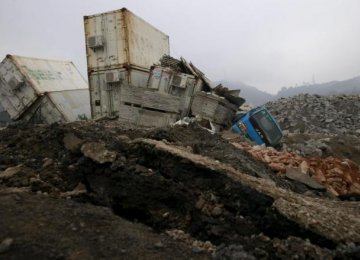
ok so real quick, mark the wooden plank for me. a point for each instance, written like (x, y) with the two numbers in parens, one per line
(145, 117)
(149, 99)
(212, 108)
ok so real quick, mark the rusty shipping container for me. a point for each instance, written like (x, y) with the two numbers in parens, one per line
(53, 90)
(119, 39)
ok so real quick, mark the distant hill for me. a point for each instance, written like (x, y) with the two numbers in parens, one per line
(253, 96)
(350, 86)
(257, 97)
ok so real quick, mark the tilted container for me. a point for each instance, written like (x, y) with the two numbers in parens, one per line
(169, 81)
(25, 81)
(60, 106)
(119, 39)
(121, 93)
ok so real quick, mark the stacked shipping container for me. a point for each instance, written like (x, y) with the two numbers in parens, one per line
(121, 47)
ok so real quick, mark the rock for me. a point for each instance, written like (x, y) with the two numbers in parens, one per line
(72, 142)
(332, 191)
(232, 252)
(319, 176)
(5, 245)
(98, 152)
(323, 114)
(297, 175)
(38, 185)
(78, 190)
(10, 172)
(354, 188)
(216, 211)
(278, 167)
(18, 176)
(310, 150)
(47, 162)
(118, 163)
(159, 245)
(200, 203)
(304, 167)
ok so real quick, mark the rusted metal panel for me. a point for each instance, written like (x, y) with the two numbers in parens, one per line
(120, 39)
(24, 80)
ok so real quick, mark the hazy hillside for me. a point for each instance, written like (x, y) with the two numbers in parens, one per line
(350, 86)
(252, 95)
(257, 97)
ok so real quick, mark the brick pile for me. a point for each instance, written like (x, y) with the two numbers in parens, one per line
(339, 176)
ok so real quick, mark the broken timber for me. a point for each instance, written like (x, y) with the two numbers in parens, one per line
(145, 107)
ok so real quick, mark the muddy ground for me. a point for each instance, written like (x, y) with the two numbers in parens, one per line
(108, 190)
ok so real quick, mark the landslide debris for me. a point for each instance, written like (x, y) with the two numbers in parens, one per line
(320, 126)
(187, 194)
(305, 113)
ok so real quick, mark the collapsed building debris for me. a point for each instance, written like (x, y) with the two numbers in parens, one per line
(130, 53)
(42, 91)
(193, 191)
(304, 113)
(340, 177)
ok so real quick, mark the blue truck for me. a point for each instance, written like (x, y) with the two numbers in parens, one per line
(259, 126)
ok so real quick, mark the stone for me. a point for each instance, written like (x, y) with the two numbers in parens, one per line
(200, 203)
(47, 162)
(38, 185)
(5, 245)
(98, 152)
(354, 188)
(72, 142)
(216, 211)
(304, 166)
(159, 245)
(297, 175)
(78, 190)
(10, 172)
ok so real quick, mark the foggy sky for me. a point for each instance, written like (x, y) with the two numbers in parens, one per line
(265, 43)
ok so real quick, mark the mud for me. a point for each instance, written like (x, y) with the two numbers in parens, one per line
(156, 190)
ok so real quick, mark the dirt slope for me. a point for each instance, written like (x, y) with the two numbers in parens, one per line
(67, 190)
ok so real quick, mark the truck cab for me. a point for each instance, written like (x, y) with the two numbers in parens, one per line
(259, 126)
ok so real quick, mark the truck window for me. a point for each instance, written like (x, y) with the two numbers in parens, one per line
(266, 127)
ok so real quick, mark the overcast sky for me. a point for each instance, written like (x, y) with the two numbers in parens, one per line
(265, 43)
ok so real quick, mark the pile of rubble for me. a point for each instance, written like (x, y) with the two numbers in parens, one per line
(201, 195)
(338, 176)
(306, 113)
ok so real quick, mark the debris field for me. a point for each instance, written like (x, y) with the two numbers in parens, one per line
(107, 190)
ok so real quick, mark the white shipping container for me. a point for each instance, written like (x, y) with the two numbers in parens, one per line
(105, 88)
(120, 39)
(24, 80)
(60, 106)
(169, 81)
